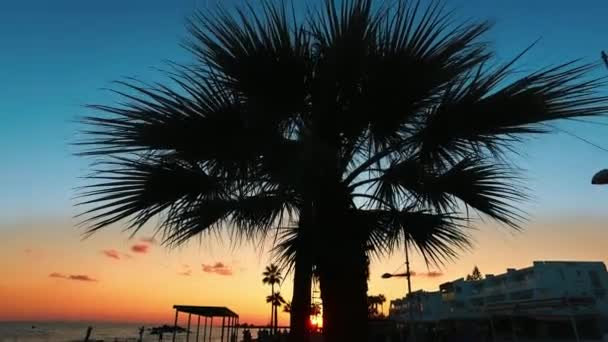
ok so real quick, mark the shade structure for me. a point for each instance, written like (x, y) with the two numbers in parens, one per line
(229, 319)
(600, 178)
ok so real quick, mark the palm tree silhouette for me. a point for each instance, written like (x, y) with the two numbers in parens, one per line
(272, 275)
(367, 126)
(381, 301)
(276, 300)
(287, 307)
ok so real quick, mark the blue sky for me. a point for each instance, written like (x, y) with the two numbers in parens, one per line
(57, 55)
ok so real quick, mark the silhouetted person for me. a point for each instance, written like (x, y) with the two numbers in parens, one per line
(141, 334)
(247, 335)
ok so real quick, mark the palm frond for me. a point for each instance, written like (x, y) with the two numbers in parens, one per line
(241, 49)
(479, 113)
(412, 44)
(438, 236)
(140, 188)
(490, 188)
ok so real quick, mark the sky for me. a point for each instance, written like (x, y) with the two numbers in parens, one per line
(58, 56)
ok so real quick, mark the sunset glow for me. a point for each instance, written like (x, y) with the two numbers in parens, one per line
(61, 52)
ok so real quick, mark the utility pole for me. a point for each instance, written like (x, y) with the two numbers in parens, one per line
(412, 335)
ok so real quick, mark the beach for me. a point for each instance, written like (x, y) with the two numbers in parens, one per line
(75, 331)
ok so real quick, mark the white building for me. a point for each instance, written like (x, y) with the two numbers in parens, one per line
(546, 290)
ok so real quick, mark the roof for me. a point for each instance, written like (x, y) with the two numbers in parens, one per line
(207, 311)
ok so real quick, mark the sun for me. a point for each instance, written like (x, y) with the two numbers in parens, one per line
(316, 321)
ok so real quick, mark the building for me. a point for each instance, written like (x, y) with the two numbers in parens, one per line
(548, 291)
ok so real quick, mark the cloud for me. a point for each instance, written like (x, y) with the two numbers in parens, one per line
(149, 239)
(434, 274)
(81, 277)
(78, 277)
(111, 253)
(185, 273)
(217, 268)
(431, 274)
(140, 248)
(27, 251)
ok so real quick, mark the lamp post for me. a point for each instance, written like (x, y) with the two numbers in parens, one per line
(407, 274)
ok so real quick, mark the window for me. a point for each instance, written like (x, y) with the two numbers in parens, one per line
(495, 298)
(521, 295)
(477, 301)
(595, 280)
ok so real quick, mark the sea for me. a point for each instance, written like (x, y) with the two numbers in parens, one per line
(107, 332)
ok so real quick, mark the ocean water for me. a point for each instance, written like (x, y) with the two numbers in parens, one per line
(76, 331)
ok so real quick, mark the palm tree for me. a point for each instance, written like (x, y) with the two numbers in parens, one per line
(381, 301)
(287, 307)
(276, 300)
(272, 275)
(365, 127)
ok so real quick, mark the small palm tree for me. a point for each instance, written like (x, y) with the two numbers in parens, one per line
(271, 276)
(287, 307)
(275, 300)
(381, 300)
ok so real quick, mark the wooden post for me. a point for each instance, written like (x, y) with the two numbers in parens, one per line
(198, 327)
(88, 335)
(188, 329)
(210, 328)
(205, 330)
(237, 328)
(223, 324)
(175, 325)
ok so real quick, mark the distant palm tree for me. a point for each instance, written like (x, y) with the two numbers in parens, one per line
(287, 307)
(381, 301)
(368, 127)
(271, 276)
(276, 300)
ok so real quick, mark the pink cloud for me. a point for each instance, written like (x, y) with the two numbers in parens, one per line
(140, 248)
(434, 274)
(78, 277)
(81, 277)
(217, 268)
(431, 274)
(111, 253)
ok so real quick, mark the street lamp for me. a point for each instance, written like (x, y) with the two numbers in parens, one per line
(600, 178)
(408, 275)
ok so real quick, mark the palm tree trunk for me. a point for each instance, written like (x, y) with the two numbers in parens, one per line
(271, 304)
(340, 257)
(276, 319)
(343, 276)
(302, 278)
(344, 293)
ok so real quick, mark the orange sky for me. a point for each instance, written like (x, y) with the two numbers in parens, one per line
(142, 287)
